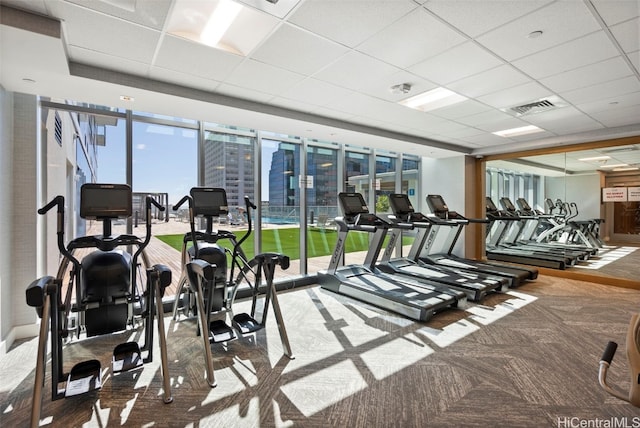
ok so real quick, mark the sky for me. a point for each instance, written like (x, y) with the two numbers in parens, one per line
(164, 159)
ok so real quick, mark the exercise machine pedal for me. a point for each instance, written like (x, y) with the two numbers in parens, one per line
(83, 377)
(219, 331)
(246, 324)
(126, 356)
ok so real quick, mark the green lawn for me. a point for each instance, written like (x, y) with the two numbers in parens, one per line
(287, 241)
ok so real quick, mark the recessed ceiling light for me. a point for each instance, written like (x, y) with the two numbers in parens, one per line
(595, 158)
(617, 165)
(631, 168)
(433, 99)
(127, 98)
(514, 132)
(219, 22)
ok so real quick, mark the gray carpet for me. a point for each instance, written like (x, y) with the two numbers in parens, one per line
(526, 358)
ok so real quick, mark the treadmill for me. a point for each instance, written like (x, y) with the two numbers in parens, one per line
(404, 217)
(531, 221)
(423, 246)
(500, 222)
(360, 282)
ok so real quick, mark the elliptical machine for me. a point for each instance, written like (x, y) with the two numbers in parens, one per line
(633, 355)
(107, 299)
(208, 289)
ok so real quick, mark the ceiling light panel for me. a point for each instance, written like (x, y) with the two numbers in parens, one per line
(595, 158)
(222, 24)
(515, 132)
(432, 100)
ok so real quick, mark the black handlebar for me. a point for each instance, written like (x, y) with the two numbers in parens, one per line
(182, 201)
(248, 202)
(609, 352)
(151, 201)
(58, 200)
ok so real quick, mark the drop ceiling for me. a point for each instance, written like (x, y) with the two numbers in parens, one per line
(325, 68)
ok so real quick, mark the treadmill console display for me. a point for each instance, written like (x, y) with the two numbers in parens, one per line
(507, 204)
(400, 204)
(437, 206)
(209, 201)
(352, 204)
(104, 201)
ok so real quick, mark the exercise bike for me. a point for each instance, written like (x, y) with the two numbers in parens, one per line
(633, 355)
(207, 289)
(107, 298)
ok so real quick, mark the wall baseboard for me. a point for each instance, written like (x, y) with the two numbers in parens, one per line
(18, 332)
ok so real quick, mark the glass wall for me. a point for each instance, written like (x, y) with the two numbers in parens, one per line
(280, 189)
(322, 204)
(292, 181)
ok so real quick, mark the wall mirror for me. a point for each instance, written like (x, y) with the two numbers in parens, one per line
(591, 182)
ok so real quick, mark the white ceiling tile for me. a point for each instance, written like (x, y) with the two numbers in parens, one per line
(182, 79)
(618, 116)
(456, 63)
(381, 88)
(628, 34)
(575, 125)
(465, 108)
(263, 77)
(590, 49)
(489, 117)
(517, 95)
(610, 69)
(411, 118)
(352, 22)
(485, 140)
(562, 120)
(560, 22)
(151, 14)
(99, 59)
(603, 90)
(474, 17)
(182, 55)
(507, 122)
(501, 77)
(411, 39)
(635, 60)
(615, 11)
(620, 101)
(298, 50)
(98, 32)
(355, 70)
(315, 92)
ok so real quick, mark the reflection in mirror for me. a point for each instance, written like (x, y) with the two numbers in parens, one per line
(592, 196)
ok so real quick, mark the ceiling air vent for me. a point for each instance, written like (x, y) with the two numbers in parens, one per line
(537, 107)
(544, 104)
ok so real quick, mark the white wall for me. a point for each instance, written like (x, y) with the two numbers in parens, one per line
(6, 183)
(18, 228)
(445, 177)
(584, 190)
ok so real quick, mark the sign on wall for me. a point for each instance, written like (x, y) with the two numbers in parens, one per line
(633, 194)
(614, 194)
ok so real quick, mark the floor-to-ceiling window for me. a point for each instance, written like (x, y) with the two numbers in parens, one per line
(166, 156)
(281, 182)
(322, 203)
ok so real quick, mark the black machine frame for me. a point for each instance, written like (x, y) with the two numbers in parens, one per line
(45, 295)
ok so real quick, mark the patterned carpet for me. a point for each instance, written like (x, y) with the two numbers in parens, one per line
(525, 358)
